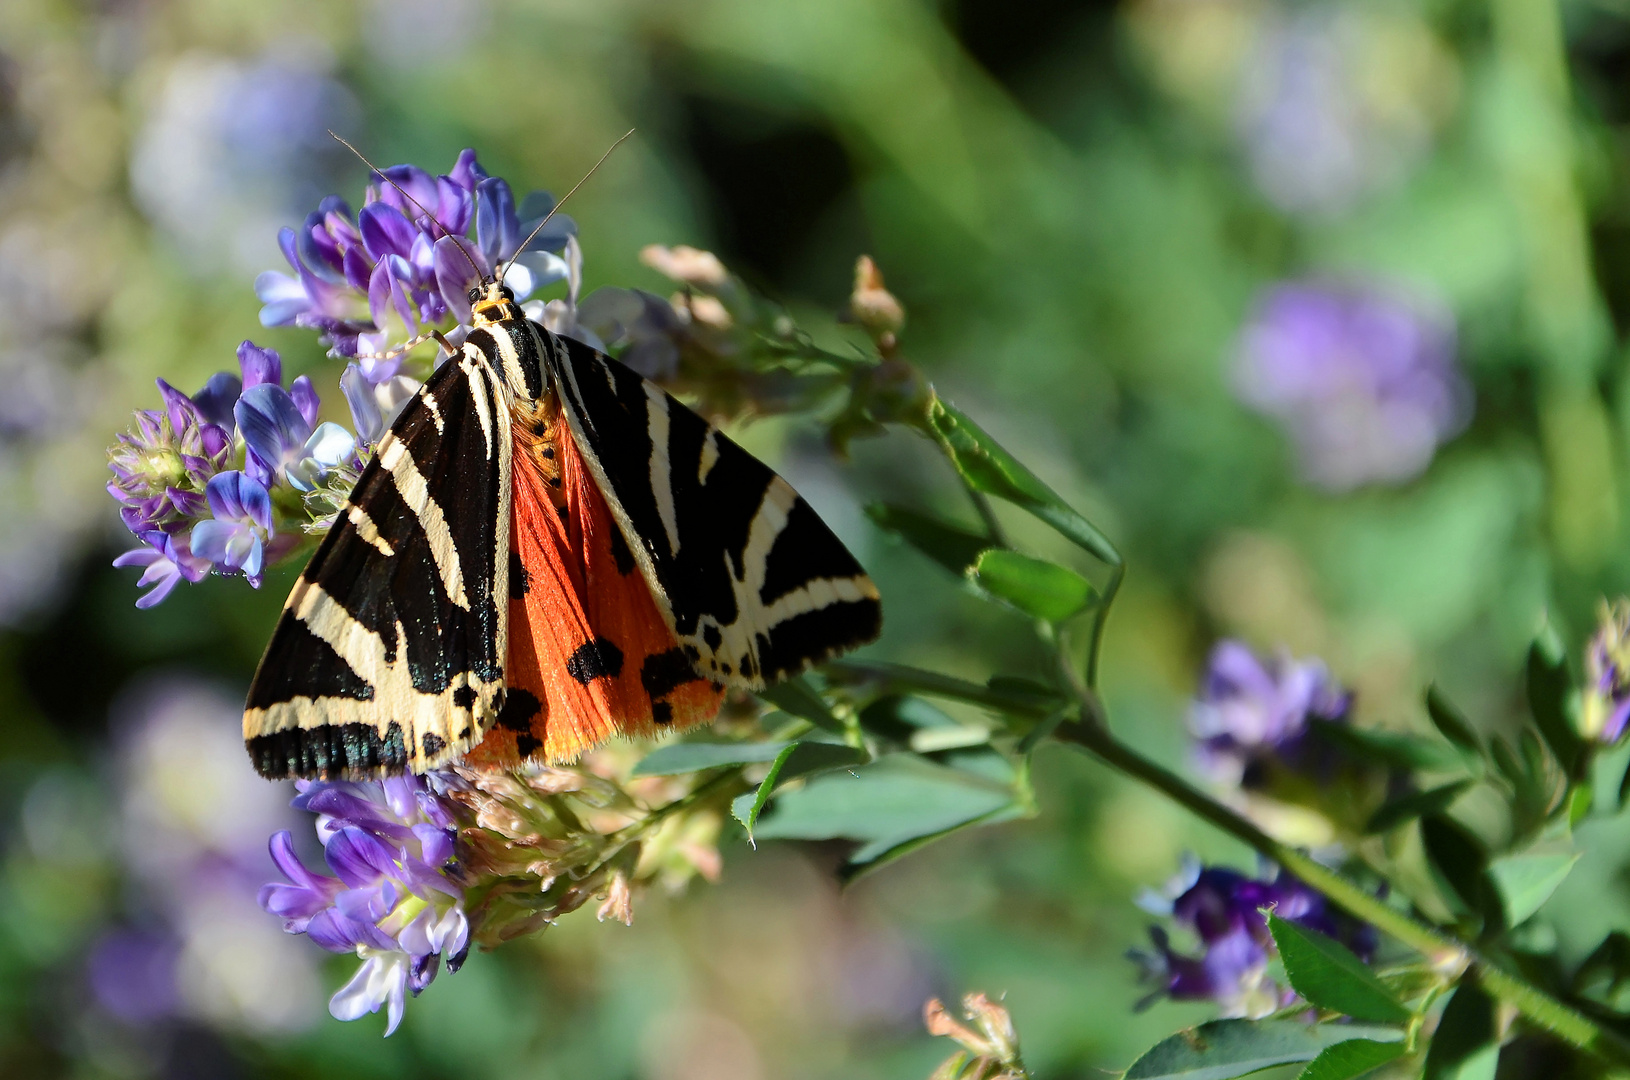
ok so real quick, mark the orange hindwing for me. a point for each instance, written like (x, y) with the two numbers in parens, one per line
(589, 653)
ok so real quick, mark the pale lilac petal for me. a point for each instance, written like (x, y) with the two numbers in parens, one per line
(359, 395)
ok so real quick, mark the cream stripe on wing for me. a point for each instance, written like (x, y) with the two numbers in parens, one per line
(656, 418)
(479, 398)
(415, 491)
(367, 530)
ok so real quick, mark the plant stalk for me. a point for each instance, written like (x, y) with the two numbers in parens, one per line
(1448, 952)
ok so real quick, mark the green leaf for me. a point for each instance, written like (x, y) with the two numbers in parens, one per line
(1550, 697)
(1328, 975)
(1224, 1049)
(1405, 808)
(954, 548)
(987, 467)
(1036, 587)
(895, 799)
(688, 757)
(1524, 882)
(1391, 748)
(797, 759)
(797, 697)
(1355, 1057)
(1457, 857)
(1450, 723)
(1465, 1046)
(870, 858)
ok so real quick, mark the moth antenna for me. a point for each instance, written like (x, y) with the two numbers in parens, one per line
(559, 204)
(445, 231)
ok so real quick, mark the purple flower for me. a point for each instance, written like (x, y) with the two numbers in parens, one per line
(1363, 380)
(1250, 713)
(167, 558)
(1223, 910)
(277, 427)
(406, 262)
(1604, 710)
(236, 539)
(391, 899)
(161, 467)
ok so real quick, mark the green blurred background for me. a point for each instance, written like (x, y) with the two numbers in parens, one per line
(1078, 203)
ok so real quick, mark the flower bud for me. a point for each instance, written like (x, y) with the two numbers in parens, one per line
(873, 306)
(691, 266)
(1605, 706)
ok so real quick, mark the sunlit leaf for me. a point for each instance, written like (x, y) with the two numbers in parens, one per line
(797, 759)
(1036, 587)
(987, 467)
(1525, 882)
(1224, 1049)
(1355, 1057)
(898, 798)
(1327, 974)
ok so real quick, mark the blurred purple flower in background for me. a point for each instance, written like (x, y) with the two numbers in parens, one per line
(195, 815)
(1250, 712)
(1363, 380)
(1337, 103)
(1222, 909)
(393, 902)
(232, 148)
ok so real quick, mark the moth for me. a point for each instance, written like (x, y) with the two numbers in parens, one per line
(546, 550)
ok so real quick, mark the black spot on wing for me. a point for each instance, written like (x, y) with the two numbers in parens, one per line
(804, 551)
(664, 672)
(300, 664)
(600, 658)
(620, 553)
(464, 697)
(711, 635)
(432, 743)
(337, 750)
(520, 582)
(520, 707)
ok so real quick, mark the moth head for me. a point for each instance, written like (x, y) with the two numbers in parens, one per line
(492, 301)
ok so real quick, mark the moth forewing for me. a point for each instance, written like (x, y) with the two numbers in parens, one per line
(389, 653)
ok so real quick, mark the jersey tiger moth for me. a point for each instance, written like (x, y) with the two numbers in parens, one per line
(545, 551)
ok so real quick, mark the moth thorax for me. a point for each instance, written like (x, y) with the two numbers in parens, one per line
(537, 430)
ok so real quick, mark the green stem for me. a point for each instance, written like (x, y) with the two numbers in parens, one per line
(1445, 951)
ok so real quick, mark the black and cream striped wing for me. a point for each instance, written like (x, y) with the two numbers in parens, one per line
(752, 582)
(389, 654)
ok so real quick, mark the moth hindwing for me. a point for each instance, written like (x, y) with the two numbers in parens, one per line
(752, 583)
(389, 654)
